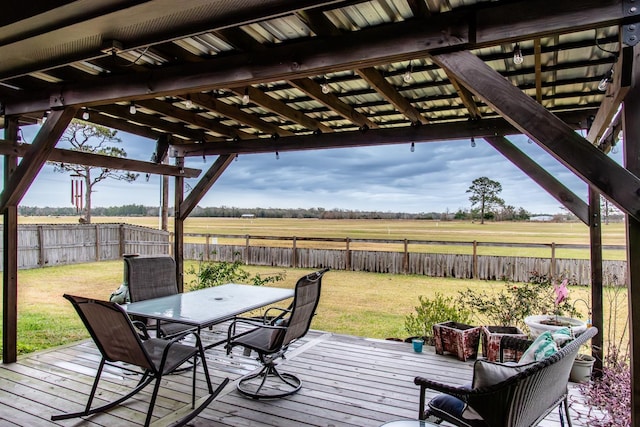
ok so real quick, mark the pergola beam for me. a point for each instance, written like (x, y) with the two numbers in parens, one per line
(543, 178)
(366, 48)
(35, 157)
(207, 181)
(401, 135)
(7, 148)
(551, 133)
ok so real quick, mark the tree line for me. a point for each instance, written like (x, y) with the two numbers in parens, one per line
(507, 213)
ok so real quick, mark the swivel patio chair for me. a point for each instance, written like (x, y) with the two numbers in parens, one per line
(119, 341)
(504, 395)
(153, 277)
(272, 336)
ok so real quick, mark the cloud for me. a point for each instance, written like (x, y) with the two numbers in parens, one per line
(433, 178)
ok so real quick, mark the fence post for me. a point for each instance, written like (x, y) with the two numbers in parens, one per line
(405, 262)
(475, 260)
(122, 241)
(40, 246)
(97, 242)
(246, 250)
(553, 260)
(207, 250)
(294, 258)
(347, 255)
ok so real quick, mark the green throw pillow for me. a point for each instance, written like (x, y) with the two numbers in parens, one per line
(543, 347)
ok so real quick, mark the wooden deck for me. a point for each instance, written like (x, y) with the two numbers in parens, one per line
(347, 381)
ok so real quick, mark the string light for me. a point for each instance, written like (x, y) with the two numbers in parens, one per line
(413, 147)
(85, 113)
(608, 78)
(324, 86)
(245, 97)
(407, 76)
(277, 156)
(517, 55)
(188, 103)
(473, 142)
(132, 108)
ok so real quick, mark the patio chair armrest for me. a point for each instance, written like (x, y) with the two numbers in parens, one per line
(231, 332)
(274, 319)
(458, 391)
(142, 327)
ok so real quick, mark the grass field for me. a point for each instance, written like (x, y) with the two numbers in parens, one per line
(450, 231)
(364, 304)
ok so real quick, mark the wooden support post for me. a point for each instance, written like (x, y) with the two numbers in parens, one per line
(631, 130)
(178, 227)
(10, 259)
(294, 253)
(475, 259)
(552, 269)
(597, 313)
(207, 249)
(348, 255)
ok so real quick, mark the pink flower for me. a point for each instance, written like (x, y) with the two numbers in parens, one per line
(561, 290)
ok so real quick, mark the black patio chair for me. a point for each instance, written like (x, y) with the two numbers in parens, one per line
(154, 277)
(271, 337)
(503, 395)
(120, 341)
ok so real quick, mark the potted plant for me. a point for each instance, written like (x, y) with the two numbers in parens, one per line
(457, 338)
(544, 322)
(431, 311)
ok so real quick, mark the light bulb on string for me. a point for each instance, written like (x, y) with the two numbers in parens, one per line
(473, 142)
(85, 114)
(413, 147)
(277, 156)
(604, 83)
(407, 77)
(188, 103)
(325, 88)
(245, 97)
(132, 109)
(517, 55)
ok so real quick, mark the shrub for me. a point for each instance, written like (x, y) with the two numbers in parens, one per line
(211, 274)
(512, 304)
(431, 311)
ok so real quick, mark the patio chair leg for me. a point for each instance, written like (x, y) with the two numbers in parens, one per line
(88, 410)
(566, 410)
(267, 371)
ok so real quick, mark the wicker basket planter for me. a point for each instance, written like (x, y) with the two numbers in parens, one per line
(491, 336)
(457, 338)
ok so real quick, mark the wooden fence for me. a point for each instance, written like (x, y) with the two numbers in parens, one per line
(58, 244)
(484, 267)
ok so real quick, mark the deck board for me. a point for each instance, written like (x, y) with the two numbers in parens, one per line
(347, 382)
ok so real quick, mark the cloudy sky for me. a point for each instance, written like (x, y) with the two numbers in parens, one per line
(433, 178)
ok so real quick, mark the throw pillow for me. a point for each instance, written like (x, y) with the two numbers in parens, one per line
(487, 373)
(543, 347)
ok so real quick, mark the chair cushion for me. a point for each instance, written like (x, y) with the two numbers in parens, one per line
(487, 373)
(454, 410)
(543, 347)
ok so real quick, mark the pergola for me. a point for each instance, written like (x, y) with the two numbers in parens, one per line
(228, 78)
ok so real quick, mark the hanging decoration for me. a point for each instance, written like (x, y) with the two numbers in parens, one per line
(77, 189)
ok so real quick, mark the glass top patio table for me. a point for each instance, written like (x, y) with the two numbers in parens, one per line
(206, 307)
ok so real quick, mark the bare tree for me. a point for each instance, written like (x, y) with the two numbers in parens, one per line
(91, 138)
(484, 192)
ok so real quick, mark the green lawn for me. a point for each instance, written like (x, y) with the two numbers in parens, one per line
(365, 304)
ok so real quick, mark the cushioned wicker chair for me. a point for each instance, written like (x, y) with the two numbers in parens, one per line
(520, 398)
(271, 337)
(153, 277)
(119, 341)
